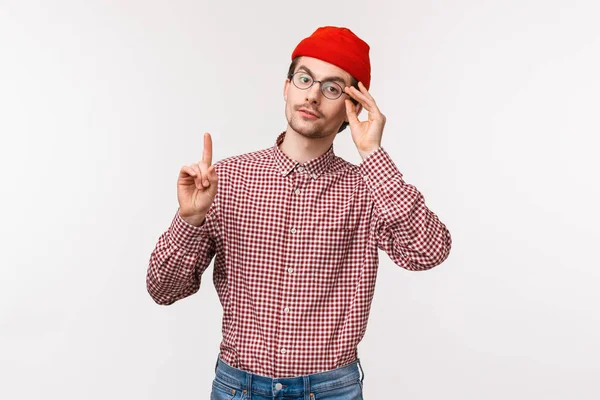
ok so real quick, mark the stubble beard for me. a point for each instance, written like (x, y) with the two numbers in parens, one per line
(308, 129)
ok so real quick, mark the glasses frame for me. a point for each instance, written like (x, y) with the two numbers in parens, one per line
(321, 85)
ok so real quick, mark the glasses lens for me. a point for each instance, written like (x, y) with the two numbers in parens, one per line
(302, 80)
(331, 90)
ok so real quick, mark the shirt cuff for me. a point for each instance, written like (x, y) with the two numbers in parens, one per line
(184, 235)
(378, 168)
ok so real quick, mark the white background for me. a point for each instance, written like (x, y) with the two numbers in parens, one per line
(493, 113)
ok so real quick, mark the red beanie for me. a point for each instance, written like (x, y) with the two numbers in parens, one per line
(340, 47)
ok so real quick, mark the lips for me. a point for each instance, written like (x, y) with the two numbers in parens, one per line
(308, 113)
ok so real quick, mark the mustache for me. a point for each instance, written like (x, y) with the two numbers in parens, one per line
(310, 109)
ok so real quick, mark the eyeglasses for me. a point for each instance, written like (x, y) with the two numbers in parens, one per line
(302, 80)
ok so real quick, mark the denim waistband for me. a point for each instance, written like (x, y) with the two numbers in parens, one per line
(294, 386)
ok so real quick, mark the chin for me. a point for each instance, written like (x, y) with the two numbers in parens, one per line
(308, 130)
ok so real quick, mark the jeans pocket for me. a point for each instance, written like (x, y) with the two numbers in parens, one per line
(348, 392)
(222, 391)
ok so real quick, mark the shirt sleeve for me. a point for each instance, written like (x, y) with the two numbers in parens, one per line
(180, 257)
(410, 233)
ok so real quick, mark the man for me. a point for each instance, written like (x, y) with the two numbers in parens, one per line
(296, 232)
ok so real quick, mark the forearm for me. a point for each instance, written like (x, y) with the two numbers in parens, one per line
(411, 234)
(409, 231)
(182, 253)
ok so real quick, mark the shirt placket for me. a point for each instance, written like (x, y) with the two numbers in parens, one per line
(288, 313)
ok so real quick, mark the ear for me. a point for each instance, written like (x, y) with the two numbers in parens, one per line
(285, 89)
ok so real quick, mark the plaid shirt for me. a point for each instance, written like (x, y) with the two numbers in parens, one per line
(296, 255)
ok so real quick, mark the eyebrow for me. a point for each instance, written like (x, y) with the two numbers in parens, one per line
(326, 79)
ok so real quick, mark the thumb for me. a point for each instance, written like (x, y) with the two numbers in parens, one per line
(351, 112)
(212, 175)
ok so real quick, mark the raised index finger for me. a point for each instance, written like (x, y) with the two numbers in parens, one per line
(207, 152)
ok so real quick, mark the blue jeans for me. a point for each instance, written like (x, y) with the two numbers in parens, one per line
(344, 383)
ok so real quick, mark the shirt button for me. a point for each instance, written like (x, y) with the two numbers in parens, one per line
(297, 191)
(290, 270)
(283, 350)
(286, 310)
(293, 230)
(300, 168)
(278, 386)
(314, 176)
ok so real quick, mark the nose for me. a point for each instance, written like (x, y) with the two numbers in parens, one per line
(313, 93)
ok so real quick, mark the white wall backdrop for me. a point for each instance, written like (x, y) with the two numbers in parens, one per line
(493, 113)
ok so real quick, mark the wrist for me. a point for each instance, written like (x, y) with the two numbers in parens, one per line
(193, 219)
(364, 154)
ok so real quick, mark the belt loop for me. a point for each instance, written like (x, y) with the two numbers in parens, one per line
(361, 371)
(306, 387)
(248, 386)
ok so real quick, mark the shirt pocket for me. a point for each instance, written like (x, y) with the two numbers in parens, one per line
(330, 253)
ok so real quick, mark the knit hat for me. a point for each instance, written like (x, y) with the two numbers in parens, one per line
(340, 47)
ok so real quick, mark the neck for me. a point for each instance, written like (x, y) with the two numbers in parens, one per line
(303, 149)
